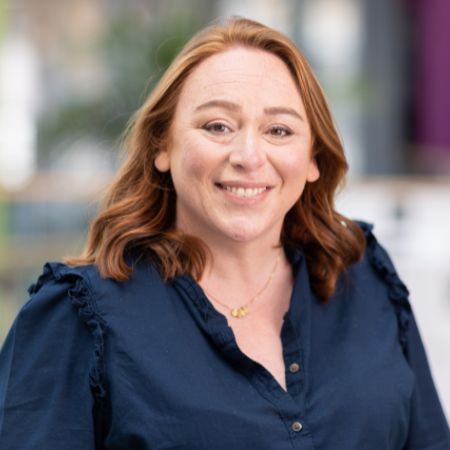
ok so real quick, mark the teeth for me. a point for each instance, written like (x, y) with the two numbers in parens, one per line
(245, 192)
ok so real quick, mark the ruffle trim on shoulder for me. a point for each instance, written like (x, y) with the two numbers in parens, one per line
(398, 292)
(82, 299)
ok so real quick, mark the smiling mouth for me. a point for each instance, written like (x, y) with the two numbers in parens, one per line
(241, 191)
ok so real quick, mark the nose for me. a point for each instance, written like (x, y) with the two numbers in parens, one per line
(247, 152)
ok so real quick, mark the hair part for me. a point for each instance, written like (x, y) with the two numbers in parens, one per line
(138, 212)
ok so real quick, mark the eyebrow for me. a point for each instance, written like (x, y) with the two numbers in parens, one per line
(225, 104)
(234, 107)
(274, 110)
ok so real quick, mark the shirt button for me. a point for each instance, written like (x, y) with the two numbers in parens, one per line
(294, 368)
(296, 426)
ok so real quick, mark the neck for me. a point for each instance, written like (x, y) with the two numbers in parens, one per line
(238, 270)
(254, 282)
(240, 259)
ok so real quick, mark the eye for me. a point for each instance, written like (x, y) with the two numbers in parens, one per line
(217, 128)
(280, 131)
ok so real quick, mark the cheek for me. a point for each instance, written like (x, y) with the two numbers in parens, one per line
(294, 172)
(193, 164)
(295, 166)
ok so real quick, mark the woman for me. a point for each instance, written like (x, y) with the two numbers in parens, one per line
(221, 301)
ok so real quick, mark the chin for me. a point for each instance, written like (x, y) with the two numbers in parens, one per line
(243, 232)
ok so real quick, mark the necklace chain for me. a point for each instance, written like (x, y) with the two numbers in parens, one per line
(243, 310)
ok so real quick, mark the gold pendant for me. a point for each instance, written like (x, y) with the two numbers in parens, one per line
(242, 311)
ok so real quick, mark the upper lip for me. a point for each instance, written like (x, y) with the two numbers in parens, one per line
(243, 184)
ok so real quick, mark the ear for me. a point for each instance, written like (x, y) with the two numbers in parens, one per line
(313, 173)
(162, 161)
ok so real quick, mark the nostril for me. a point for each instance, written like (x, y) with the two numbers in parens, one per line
(247, 158)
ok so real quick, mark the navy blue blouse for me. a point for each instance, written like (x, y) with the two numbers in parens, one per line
(143, 364)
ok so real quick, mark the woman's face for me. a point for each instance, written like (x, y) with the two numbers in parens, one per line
(240, 148)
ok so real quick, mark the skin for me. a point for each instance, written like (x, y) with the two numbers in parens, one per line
(240, 123)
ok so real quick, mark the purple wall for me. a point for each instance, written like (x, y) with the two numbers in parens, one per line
(431, 29)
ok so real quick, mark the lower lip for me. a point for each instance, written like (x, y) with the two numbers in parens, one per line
(243, 200)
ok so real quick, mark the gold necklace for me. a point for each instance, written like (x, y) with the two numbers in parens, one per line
(242, 311)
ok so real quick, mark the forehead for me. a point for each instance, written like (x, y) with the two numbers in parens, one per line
(241, 74)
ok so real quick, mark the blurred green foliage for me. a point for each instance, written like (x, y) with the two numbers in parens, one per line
(135, 53)
(3, 16)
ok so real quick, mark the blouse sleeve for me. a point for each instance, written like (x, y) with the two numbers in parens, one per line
(51, 367)
(428, 428)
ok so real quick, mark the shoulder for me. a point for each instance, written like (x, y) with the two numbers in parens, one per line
(377, 261)
(100, 303)
(61, 289)
(84, 285)
(375, 275)
(76, 308)
(53, 356)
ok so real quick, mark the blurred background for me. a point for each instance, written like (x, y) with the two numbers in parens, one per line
(73, 72)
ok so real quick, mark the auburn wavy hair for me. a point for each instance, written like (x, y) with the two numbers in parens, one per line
(138, 213)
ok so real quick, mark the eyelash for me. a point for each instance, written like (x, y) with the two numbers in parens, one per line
(284, 130)
(212, 127)
(276, 130)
